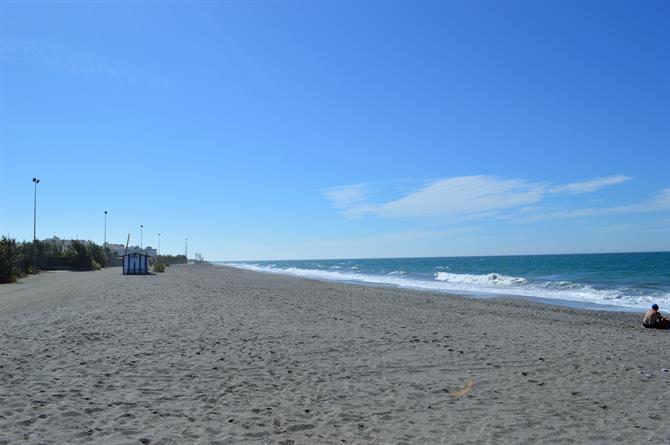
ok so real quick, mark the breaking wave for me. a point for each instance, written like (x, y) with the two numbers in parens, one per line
(491, 278)
(490, 284)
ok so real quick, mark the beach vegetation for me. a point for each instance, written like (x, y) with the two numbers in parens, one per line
(81, 255)
(18, 259)
(98, 253)
(9, 260)
(29, 255)
(171, 259)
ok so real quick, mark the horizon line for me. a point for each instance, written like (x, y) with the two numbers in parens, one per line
(454, 256)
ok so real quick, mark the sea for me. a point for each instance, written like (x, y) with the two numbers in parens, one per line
(612, 281)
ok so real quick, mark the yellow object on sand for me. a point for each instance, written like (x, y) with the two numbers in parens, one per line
(466, 389)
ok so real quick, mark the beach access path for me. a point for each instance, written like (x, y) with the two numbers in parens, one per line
(214, 355)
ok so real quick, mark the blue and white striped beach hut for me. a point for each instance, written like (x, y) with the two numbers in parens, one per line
(135, 263)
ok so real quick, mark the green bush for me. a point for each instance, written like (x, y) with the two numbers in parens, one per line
(172, 259)
(30, 253)
(9, 258)
(112, 259)
(80, 255)
(99, 255)
(18, 259)
(159, 267)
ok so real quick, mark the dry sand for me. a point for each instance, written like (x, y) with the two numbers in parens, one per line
(204, 354)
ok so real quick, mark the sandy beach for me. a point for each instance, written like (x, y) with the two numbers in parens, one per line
(214, 355)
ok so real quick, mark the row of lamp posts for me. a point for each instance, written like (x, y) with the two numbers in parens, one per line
(37, 181)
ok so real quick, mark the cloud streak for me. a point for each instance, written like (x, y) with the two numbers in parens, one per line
(66, 61)
(474, 197)
(346, 196)
(659, 202)
(591, 185)
(463, 195)
(459, 196)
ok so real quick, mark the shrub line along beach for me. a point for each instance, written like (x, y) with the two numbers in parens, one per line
(21, 259)
(205, 354)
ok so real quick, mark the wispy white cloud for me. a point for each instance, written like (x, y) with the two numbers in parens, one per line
(464, 195)
(655, 226)
(347, 196)
(466, 198)
(659, 202)
(458, 196)
(590, 185)
(68, 61)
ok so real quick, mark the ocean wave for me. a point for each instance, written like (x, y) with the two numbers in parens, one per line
(487, 279)
(488, 284)
(397, 272)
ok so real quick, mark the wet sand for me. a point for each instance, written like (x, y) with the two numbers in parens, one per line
(213, 355)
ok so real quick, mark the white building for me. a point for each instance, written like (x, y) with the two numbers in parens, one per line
(118, 249)
(62, 244)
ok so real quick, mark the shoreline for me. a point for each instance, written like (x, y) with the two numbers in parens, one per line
(539, 302)
(564, 303)
(513, 300)
(204, 354)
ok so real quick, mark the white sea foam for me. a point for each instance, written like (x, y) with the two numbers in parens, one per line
(397, 272)
(488, 279)
(487, 284)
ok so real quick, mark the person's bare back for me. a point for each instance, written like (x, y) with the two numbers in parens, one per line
(654, 319)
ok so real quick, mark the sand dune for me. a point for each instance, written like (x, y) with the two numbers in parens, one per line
(215, 355)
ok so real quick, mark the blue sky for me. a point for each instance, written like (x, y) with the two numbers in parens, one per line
(282, 130)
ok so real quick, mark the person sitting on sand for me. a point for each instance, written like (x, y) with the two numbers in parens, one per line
(654, 319)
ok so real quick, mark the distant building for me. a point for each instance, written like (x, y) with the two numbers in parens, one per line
(61, 244)
(118, 249)
(132, 249)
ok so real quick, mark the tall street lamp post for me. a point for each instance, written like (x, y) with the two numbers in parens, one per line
(105, 242)
(141, 244)
(35, 181)
(159, 244)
